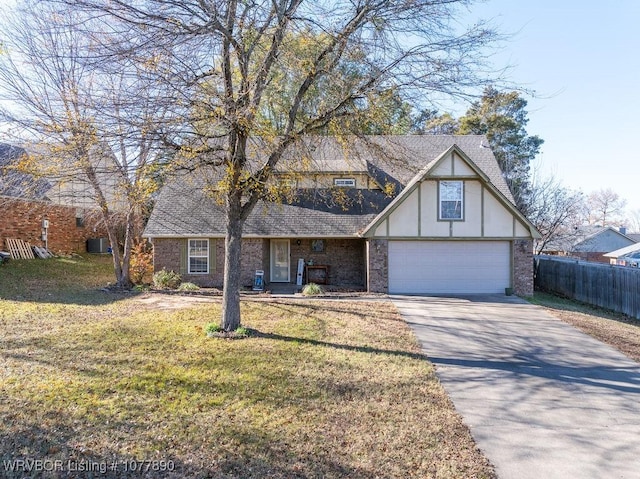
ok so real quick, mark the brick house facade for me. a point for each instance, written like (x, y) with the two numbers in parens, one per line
(343, 257)
(69, 228)
(389, 232)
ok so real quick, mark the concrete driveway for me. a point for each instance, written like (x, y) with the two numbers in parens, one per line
(542, 399)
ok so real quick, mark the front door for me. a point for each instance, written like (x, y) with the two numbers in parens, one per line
(280, 267)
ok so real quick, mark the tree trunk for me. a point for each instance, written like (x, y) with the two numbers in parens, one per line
(125, 275)
(122, 276)
(232, 258)
(115, 250)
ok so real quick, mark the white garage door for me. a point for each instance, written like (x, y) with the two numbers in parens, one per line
(437, 267)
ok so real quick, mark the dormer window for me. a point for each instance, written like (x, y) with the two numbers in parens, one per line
(451, 200)
(344, 182)
(289, 183)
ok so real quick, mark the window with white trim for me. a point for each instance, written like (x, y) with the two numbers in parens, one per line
(345, 182)
(198, 256)
(451, 200)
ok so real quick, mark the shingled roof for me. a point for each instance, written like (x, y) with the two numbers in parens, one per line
(14, 183)
(183, 208)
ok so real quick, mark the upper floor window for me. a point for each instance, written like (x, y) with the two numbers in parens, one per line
(346, 182)
(451, 200)
(198, 256)
(289, 183)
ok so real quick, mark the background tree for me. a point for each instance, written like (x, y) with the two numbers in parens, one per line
(219, 62)
(555, 211)
(73, 110)
(382, 110)
(431, 122)
(605, 208)
(502, 117)
(633, 221)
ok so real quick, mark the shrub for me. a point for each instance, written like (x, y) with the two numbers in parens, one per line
(215, 330)
(164, 279)
(312, 289)
(188, 287)
(212, 328)
(141, 262)
(242, 332)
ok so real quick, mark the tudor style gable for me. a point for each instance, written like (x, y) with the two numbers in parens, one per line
(451, 198)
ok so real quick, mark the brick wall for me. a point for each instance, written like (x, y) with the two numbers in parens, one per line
(593, 256)
(523, 267)
(345, 258)
(377, 255)
(252, 259)
(166, 254)
(21, 219)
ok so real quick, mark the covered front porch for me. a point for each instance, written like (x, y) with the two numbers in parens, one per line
(336, 263)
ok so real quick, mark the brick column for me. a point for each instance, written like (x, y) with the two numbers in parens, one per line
(378, 266)
(523, 267)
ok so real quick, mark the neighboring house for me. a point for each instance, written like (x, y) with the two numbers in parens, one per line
(589, 243)
(73, 188)
(634, 236)
(25, 204)
(401, 214)
(627, 256)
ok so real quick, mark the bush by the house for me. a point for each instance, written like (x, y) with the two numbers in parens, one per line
(141, 262)
(164, 279)
(312, 289)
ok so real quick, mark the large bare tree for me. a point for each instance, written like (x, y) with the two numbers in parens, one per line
(85, 116)
(606, 208)
(221, 65)
(555, 211)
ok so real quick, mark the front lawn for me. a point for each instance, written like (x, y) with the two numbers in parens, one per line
(324, 389)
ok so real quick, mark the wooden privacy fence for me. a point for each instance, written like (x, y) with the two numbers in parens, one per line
(612, 287)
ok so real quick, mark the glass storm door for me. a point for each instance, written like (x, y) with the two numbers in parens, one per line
(280, 266)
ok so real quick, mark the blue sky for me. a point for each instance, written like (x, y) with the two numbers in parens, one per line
(582, 58)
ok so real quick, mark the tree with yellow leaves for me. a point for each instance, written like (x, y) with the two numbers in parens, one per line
(76, 118)
(233, 72)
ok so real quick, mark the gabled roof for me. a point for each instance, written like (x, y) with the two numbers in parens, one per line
(634, 236)
(192, 212)
(427, 170)
(399, 157)
(580, 238)
(623, 251)
(593, 232)
(184, 209)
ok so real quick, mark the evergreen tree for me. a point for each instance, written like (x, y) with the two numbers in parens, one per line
(502, 117)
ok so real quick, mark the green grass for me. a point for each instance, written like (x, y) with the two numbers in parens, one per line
(559, 303)
(323, 389)
(616, 329)
(69, 280)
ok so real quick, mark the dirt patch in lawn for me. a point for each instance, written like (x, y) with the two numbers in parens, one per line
(172, 302)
